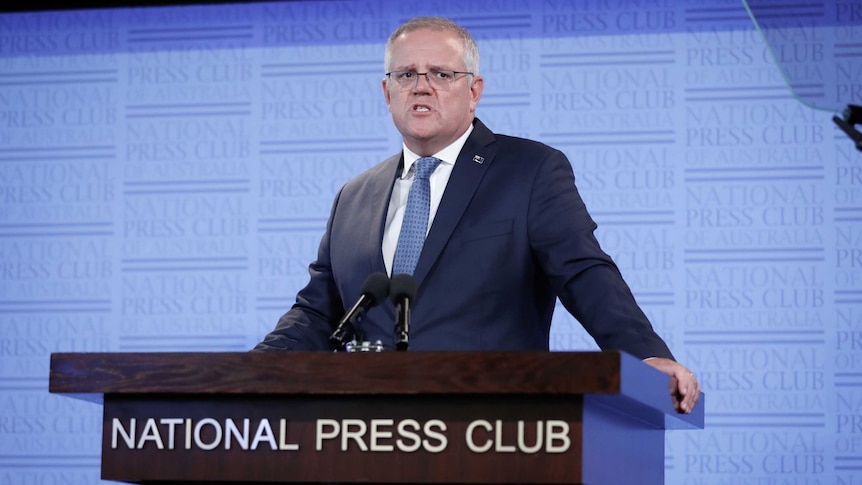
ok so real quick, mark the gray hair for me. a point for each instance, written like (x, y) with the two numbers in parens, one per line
(439, 24)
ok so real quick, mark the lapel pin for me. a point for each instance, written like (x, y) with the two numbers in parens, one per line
(478, 159)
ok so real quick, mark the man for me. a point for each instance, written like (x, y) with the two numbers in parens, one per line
(507, 232)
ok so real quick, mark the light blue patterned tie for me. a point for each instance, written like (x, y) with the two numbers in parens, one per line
(415, 224)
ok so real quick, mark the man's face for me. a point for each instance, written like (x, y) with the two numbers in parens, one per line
(430, 119)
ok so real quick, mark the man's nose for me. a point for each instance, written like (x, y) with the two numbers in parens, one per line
(427, 83)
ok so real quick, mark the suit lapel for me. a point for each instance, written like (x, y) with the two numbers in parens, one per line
(474, 160)
(379, 206)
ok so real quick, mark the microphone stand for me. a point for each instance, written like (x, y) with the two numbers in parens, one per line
(345, 330)
(402, 291)
(402, 325)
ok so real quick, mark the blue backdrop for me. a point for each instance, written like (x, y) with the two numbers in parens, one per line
(166, 173)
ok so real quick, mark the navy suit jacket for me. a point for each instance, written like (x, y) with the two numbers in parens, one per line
(511, 235)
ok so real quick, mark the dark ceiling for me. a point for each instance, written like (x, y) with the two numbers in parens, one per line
(42, 5)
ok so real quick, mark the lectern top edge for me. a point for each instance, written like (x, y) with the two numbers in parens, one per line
(91, 375)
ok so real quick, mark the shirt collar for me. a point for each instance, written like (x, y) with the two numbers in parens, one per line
(448, 155)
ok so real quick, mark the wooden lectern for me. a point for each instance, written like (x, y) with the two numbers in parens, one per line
(391, 417)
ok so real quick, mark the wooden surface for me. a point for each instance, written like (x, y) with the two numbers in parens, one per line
(616, 408)
(618, 376)
(336, 373)
(453, 464)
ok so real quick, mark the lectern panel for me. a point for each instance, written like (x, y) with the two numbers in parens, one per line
(384, 439)
(392, 417)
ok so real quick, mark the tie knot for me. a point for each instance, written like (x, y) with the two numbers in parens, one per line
(425, 166)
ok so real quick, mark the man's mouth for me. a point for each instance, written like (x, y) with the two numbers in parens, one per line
(421, 108)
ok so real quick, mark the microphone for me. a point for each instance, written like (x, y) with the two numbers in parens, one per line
(402, 292)
(374, 291)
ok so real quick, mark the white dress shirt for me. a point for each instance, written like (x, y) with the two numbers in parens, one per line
(401, 189)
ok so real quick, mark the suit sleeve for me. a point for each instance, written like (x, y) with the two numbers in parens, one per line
(585, 278)
(311, 320)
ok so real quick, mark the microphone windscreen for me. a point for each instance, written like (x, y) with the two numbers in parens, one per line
(402, 286)
(376, 286)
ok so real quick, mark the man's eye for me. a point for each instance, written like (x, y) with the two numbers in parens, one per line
(407, 75)
(441, 74)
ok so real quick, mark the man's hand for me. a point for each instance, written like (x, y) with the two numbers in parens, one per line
(684, 389)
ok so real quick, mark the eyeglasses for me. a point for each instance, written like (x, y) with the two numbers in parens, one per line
(441, 80)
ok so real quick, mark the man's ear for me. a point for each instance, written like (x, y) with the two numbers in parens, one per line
(385, 85)
(476, 88)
